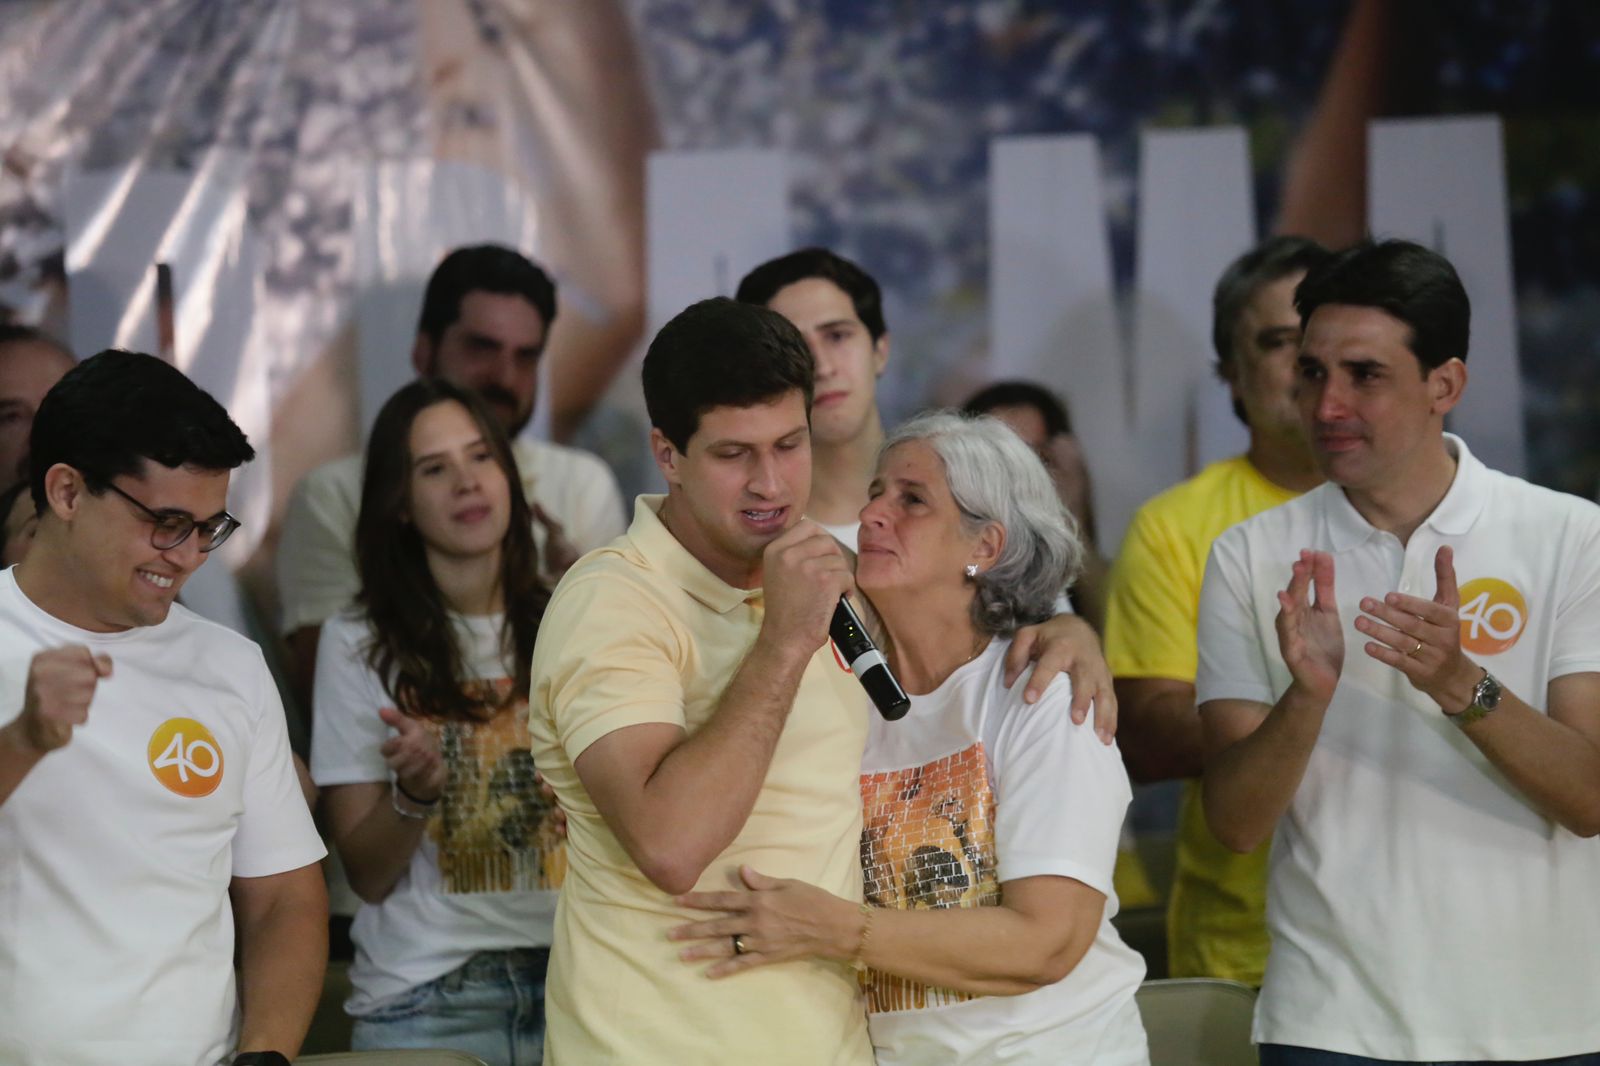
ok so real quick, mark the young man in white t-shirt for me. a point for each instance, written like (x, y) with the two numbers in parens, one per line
(148, 803)
(1432, 771)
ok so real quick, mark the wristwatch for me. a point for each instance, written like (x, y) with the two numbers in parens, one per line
(1485, 698)
(261, 1058)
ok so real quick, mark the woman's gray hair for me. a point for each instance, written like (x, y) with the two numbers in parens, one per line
(995, 477)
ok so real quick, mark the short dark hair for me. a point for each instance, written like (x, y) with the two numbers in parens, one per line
(1271, 260)
(1022, 394)
(762, 284)
(1416, 285)
(117, 409)
(721, 353)
(483, 268)
(16, 332)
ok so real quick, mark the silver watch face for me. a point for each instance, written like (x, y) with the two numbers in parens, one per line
(1487, 692)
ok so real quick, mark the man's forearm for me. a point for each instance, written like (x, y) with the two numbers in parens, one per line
(17, 758)
(1159, 730)
(1248, 785)
(283, 953)
(1554, 765)
(698, 797)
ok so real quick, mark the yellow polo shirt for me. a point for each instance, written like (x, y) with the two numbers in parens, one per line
(1216, 918)
(640, 631)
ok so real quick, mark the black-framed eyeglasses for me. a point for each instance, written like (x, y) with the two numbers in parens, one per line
(172, 528)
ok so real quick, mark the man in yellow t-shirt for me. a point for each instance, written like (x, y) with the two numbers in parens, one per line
(1216, 916)
(693, 721)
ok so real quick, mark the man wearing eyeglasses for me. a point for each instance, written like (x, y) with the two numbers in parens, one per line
(147, 799)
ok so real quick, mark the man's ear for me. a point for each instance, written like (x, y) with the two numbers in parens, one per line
(422, 355)
(1446, 383)
(880, 354)
(64, 490)
(666, 455)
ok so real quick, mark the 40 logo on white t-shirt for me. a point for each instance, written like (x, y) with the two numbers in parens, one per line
(1493, 615)
(186, 758)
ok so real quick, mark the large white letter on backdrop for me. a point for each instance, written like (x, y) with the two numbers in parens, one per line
(1441, 182)
(709, 216)
(1145, 421)
(1052, 311)
(1195, 216)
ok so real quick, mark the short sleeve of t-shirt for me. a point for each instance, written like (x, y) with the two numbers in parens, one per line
(1150, 616)
(1060, 794)
(345, 699)
(606, 659)
(275, 833)
(1233, 664)
(596, 504)
(316, 569)
(1575, 646)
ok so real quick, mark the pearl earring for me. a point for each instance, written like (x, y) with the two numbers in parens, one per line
(972, 570)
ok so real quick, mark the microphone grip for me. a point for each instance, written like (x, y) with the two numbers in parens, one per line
(867, 663)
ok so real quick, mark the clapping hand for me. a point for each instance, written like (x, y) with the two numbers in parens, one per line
(1422, 638)
(412, 755)
(1309, 637)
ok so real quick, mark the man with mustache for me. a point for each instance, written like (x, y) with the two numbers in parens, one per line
(486, 316)
(1216, 922)
(1415, 719)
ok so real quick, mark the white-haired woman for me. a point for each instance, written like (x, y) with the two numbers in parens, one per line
(991, 824)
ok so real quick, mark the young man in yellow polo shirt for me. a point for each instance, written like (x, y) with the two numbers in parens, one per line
(691, 718)
(1215, 919)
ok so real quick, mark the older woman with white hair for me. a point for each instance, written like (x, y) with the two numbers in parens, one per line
(990, 824)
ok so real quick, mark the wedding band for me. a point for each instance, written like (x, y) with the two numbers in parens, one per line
(738, 945)
(1412, 653)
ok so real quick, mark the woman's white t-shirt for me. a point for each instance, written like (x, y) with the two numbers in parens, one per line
(974, 788)
(485, 876)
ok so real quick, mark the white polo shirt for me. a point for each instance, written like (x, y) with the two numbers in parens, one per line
(1420, 907)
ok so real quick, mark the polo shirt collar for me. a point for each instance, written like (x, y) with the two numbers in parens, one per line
(1468, 492)
(664, 552)
(1454, 516)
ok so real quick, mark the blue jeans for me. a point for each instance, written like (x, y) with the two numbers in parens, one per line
(492, 1006)
(1287, 1055)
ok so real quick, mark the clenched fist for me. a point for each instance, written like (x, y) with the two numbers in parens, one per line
(804, 572)
(61, 682)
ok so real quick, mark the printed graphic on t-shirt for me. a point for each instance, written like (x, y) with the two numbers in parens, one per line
(494, 831)
(185, 757)
(1493, 616)
(927, 842)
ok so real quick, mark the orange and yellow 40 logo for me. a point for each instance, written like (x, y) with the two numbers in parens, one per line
(1493, 616)
(185, 757)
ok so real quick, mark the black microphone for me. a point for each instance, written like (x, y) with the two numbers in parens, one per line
(868, 663)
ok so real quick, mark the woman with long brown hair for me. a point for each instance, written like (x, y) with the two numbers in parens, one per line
(421, 743)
